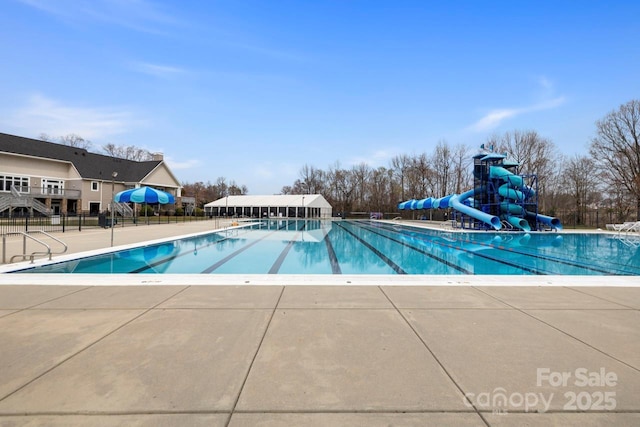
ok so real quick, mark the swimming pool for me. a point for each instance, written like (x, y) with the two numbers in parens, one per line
(317, 247)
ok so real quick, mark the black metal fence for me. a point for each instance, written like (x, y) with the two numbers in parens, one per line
(63, 223)
(591, 218)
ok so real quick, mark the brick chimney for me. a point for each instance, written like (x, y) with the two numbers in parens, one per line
(157, 156)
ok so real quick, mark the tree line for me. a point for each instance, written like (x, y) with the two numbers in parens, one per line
(128, 152)
(571, 187)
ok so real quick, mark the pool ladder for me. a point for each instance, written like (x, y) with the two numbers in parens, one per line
(31, 256)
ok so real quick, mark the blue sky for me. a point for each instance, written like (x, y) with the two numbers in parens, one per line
(253, 90)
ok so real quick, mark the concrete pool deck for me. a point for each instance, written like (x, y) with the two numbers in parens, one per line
(181, 353)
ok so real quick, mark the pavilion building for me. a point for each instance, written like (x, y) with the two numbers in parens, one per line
(271, 206)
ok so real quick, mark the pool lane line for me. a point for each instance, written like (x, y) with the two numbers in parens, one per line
(556, 260)
(276, 265)
(511, 264)
(181, 254)
(139, 269)
(111, 254)
(421, 251)
(333, 259)
(473, 253)
(239, 251)
(188, 252)
(382, 256)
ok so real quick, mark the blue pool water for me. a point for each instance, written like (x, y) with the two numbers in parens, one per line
(367, 247)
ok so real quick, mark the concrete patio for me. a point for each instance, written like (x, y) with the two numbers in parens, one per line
(282, 355)
(314, 355)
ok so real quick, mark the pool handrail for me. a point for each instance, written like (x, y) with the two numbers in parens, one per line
(31, 256)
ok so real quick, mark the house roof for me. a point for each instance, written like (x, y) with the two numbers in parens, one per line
(278, 200)
(89, 165)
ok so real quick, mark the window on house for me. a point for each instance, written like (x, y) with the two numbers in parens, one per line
(20, 182)
(52, 186)
(95, 186)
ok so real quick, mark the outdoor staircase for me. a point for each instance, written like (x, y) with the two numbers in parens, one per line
(123, 209)
(5, 203)
(18, 200)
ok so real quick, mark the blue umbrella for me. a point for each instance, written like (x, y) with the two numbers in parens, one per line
(144, 195)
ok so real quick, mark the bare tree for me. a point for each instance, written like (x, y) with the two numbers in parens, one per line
(400, 165)
(442, 161)
(208, 192)
(311, 180)
(461, 168)
(46, 137)
(535, 154)
(379, 187)
(420, 177)
(237, 190)
(71, 139)
(222, 187)
(129, 152)
(581, 184)
(339, 187)
(74, 140)
(361, 173)
(616, 149)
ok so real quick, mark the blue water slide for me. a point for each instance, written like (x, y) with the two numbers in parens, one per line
(518, 222)
(457, 202)
(403, 205)
(424, 203)
(548, 220)
(511, 208)
(442, 202)
(409, 204)
(509, 193)
(507, 176)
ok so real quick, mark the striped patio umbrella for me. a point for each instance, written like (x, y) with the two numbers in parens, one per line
(146, 195)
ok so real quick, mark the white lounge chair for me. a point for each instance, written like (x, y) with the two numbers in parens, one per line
(635, 227)
(619, 227)
(627, 227)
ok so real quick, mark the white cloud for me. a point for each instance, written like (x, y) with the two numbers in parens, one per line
(546, 100)
(374, 159)
(138, 15)
(494, 118)
(44, 115)
(157, 70)
(181, 164)
(545, 83)
(264, 172)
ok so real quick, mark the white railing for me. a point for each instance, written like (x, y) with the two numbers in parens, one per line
(54, 192)
(123, 209)
(31, 256)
